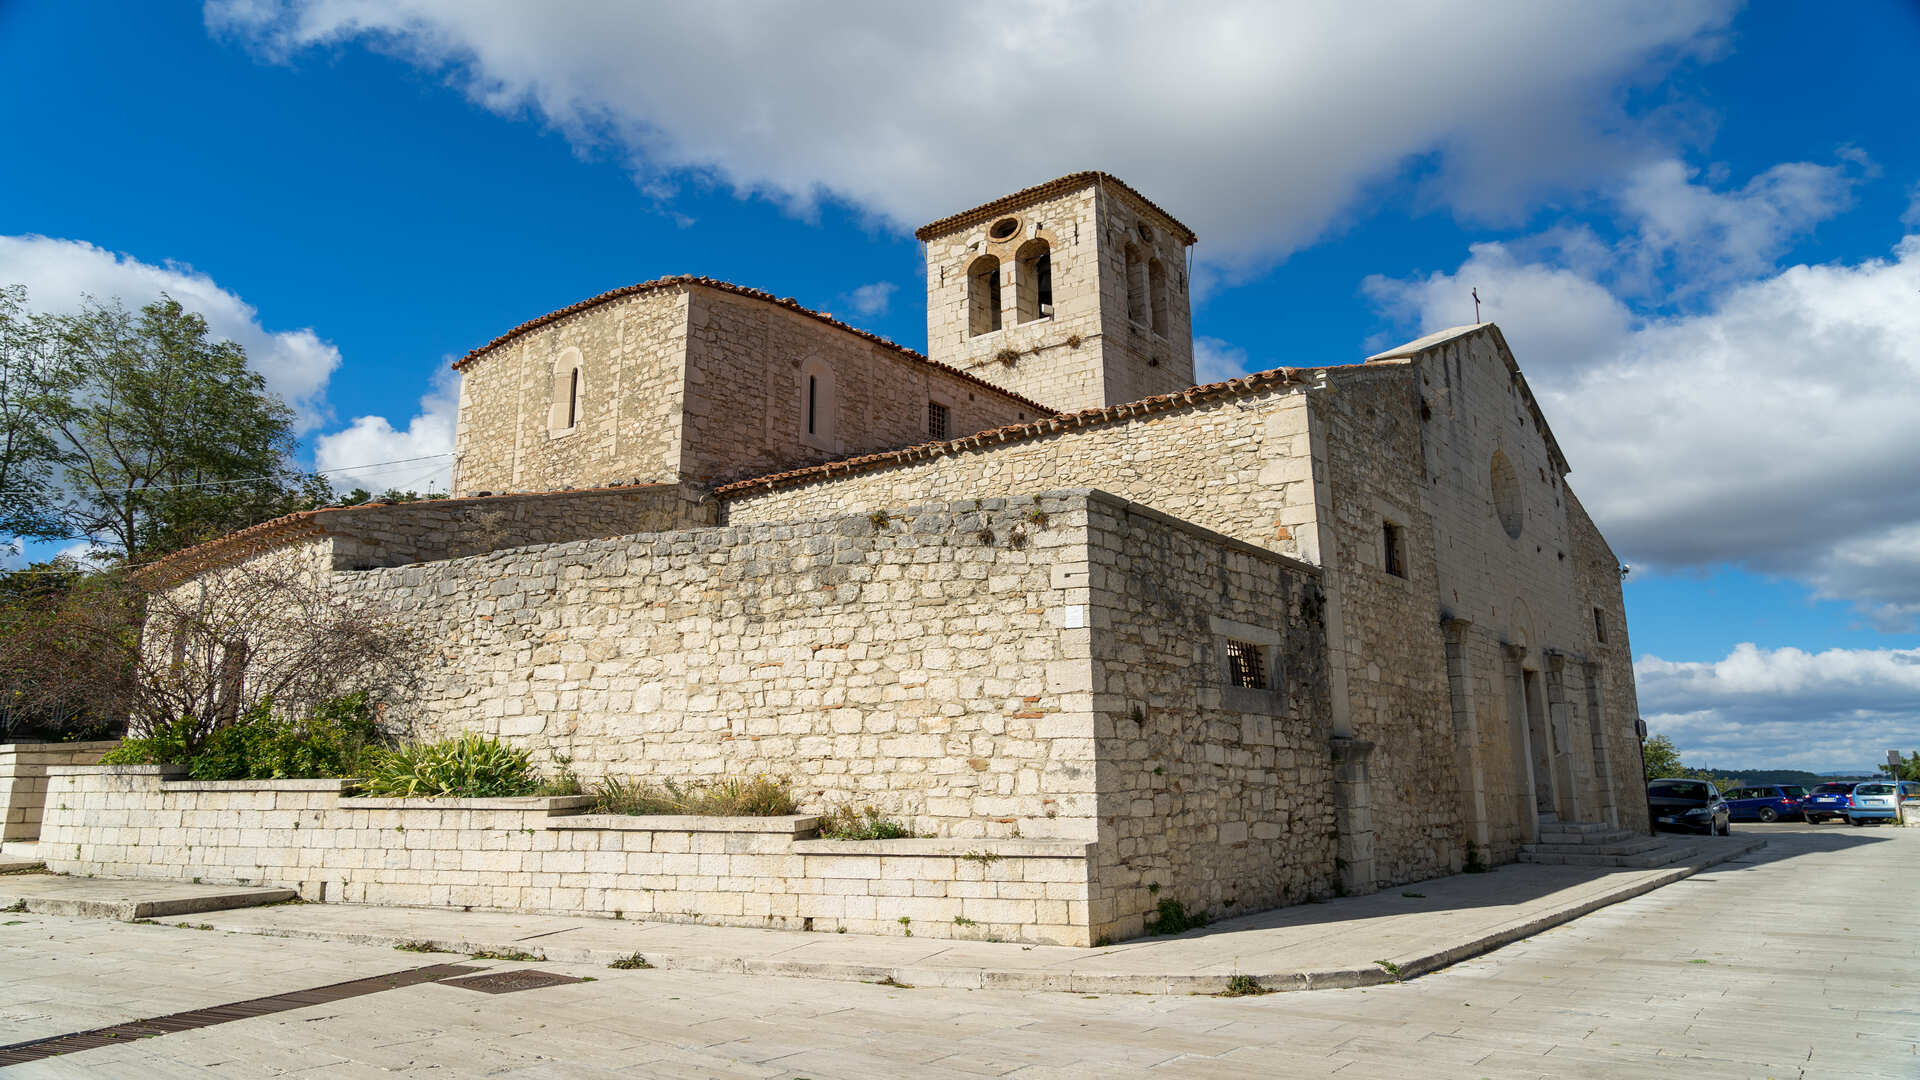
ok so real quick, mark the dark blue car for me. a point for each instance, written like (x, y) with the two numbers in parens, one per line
(1828, 802)
(1769, 802)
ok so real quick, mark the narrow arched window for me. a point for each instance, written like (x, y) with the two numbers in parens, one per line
(1157, 296)
(1033, 280)
(817, 404)
(565, 400)
(983, 295)
(1138, 309)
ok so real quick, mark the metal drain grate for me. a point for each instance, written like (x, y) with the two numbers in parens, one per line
(54, 1046)
(507, 982)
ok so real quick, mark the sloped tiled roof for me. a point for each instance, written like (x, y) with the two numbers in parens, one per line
(1085, 418)
(681, 281)
(1070, 182)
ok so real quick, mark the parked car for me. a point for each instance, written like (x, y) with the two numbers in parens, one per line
(1827, 801)
(1772, 802)
(1689, 804)
(1872, 801)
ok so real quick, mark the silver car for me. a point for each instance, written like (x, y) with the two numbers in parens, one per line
(1873, 801)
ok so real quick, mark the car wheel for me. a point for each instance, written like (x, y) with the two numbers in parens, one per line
(1769, 815)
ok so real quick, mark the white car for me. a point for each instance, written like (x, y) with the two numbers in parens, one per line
(1872, 801)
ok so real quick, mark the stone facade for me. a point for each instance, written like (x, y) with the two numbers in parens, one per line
(1115, 324)
(1249, 643)
(692, 380)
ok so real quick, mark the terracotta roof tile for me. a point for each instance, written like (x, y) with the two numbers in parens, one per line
(1069, 182)
(1085, 418)
(680, 281)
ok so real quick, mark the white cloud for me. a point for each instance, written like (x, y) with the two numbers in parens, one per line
(371, 439)
(1712, 236)
(1215, 360)
(1911, 216)
(1773, 428)
(1838, 709)
(872, 299)
(1260, 124)
(59, 273)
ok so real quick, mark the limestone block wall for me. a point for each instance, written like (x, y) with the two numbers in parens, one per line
(1241, 466)
(1386, 648)
(370, 536)
(545, 855)
(1213, 795)
(1087, 353)
(23, 781)
(1526, 569)
(630, 353)
(748, 364)
(911, 660)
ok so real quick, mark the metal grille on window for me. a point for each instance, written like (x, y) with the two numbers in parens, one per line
(936, 420)
(1245, 666)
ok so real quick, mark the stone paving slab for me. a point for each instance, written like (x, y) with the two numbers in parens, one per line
(101, 898)
(1373, 940)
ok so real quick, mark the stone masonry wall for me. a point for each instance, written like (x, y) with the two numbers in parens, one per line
(368, 536)
(631, 354)
(1087, 354)
(1214, 796)
(1239, 466)
(544, 855)
(1528, 601)
(1387, 642)
(23, 781)
(747, 368)
(902, 661)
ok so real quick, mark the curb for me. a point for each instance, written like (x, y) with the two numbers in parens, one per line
(130, 910)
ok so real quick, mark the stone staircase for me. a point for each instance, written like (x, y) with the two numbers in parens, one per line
(1593, 843)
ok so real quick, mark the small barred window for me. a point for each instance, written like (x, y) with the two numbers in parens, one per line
(936, 420)
(1245, 666)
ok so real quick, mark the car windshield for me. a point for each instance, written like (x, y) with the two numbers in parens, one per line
(1677, 789)
(1874, 789)
(1833, 789)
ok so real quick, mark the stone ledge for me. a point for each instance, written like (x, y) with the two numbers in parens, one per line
(323, 785)
(552, 805)
(788, 825)
(161, 772)
(948, 848)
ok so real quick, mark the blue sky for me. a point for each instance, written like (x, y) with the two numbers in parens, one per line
(1690, 218)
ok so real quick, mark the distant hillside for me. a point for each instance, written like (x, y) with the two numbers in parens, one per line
(1757, 777)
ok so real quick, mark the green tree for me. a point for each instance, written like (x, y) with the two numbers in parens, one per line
(165, 438)
(1661, 758)
(1908, 769)
(27, 447)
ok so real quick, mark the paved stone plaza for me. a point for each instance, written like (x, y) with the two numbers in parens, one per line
(1795, 961)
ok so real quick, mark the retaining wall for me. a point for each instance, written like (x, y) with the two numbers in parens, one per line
(23, 781)
(546, 855)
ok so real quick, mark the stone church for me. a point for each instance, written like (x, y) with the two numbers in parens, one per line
(1317, 629)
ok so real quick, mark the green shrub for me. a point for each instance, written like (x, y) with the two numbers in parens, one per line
(335, 739)
(168, 744)
(472, 767)
(850, 822)
(760, 796)
(1172, 917)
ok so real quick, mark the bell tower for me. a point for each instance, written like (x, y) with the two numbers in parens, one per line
(1072, 293)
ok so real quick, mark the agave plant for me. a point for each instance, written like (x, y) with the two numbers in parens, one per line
(471, 766)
